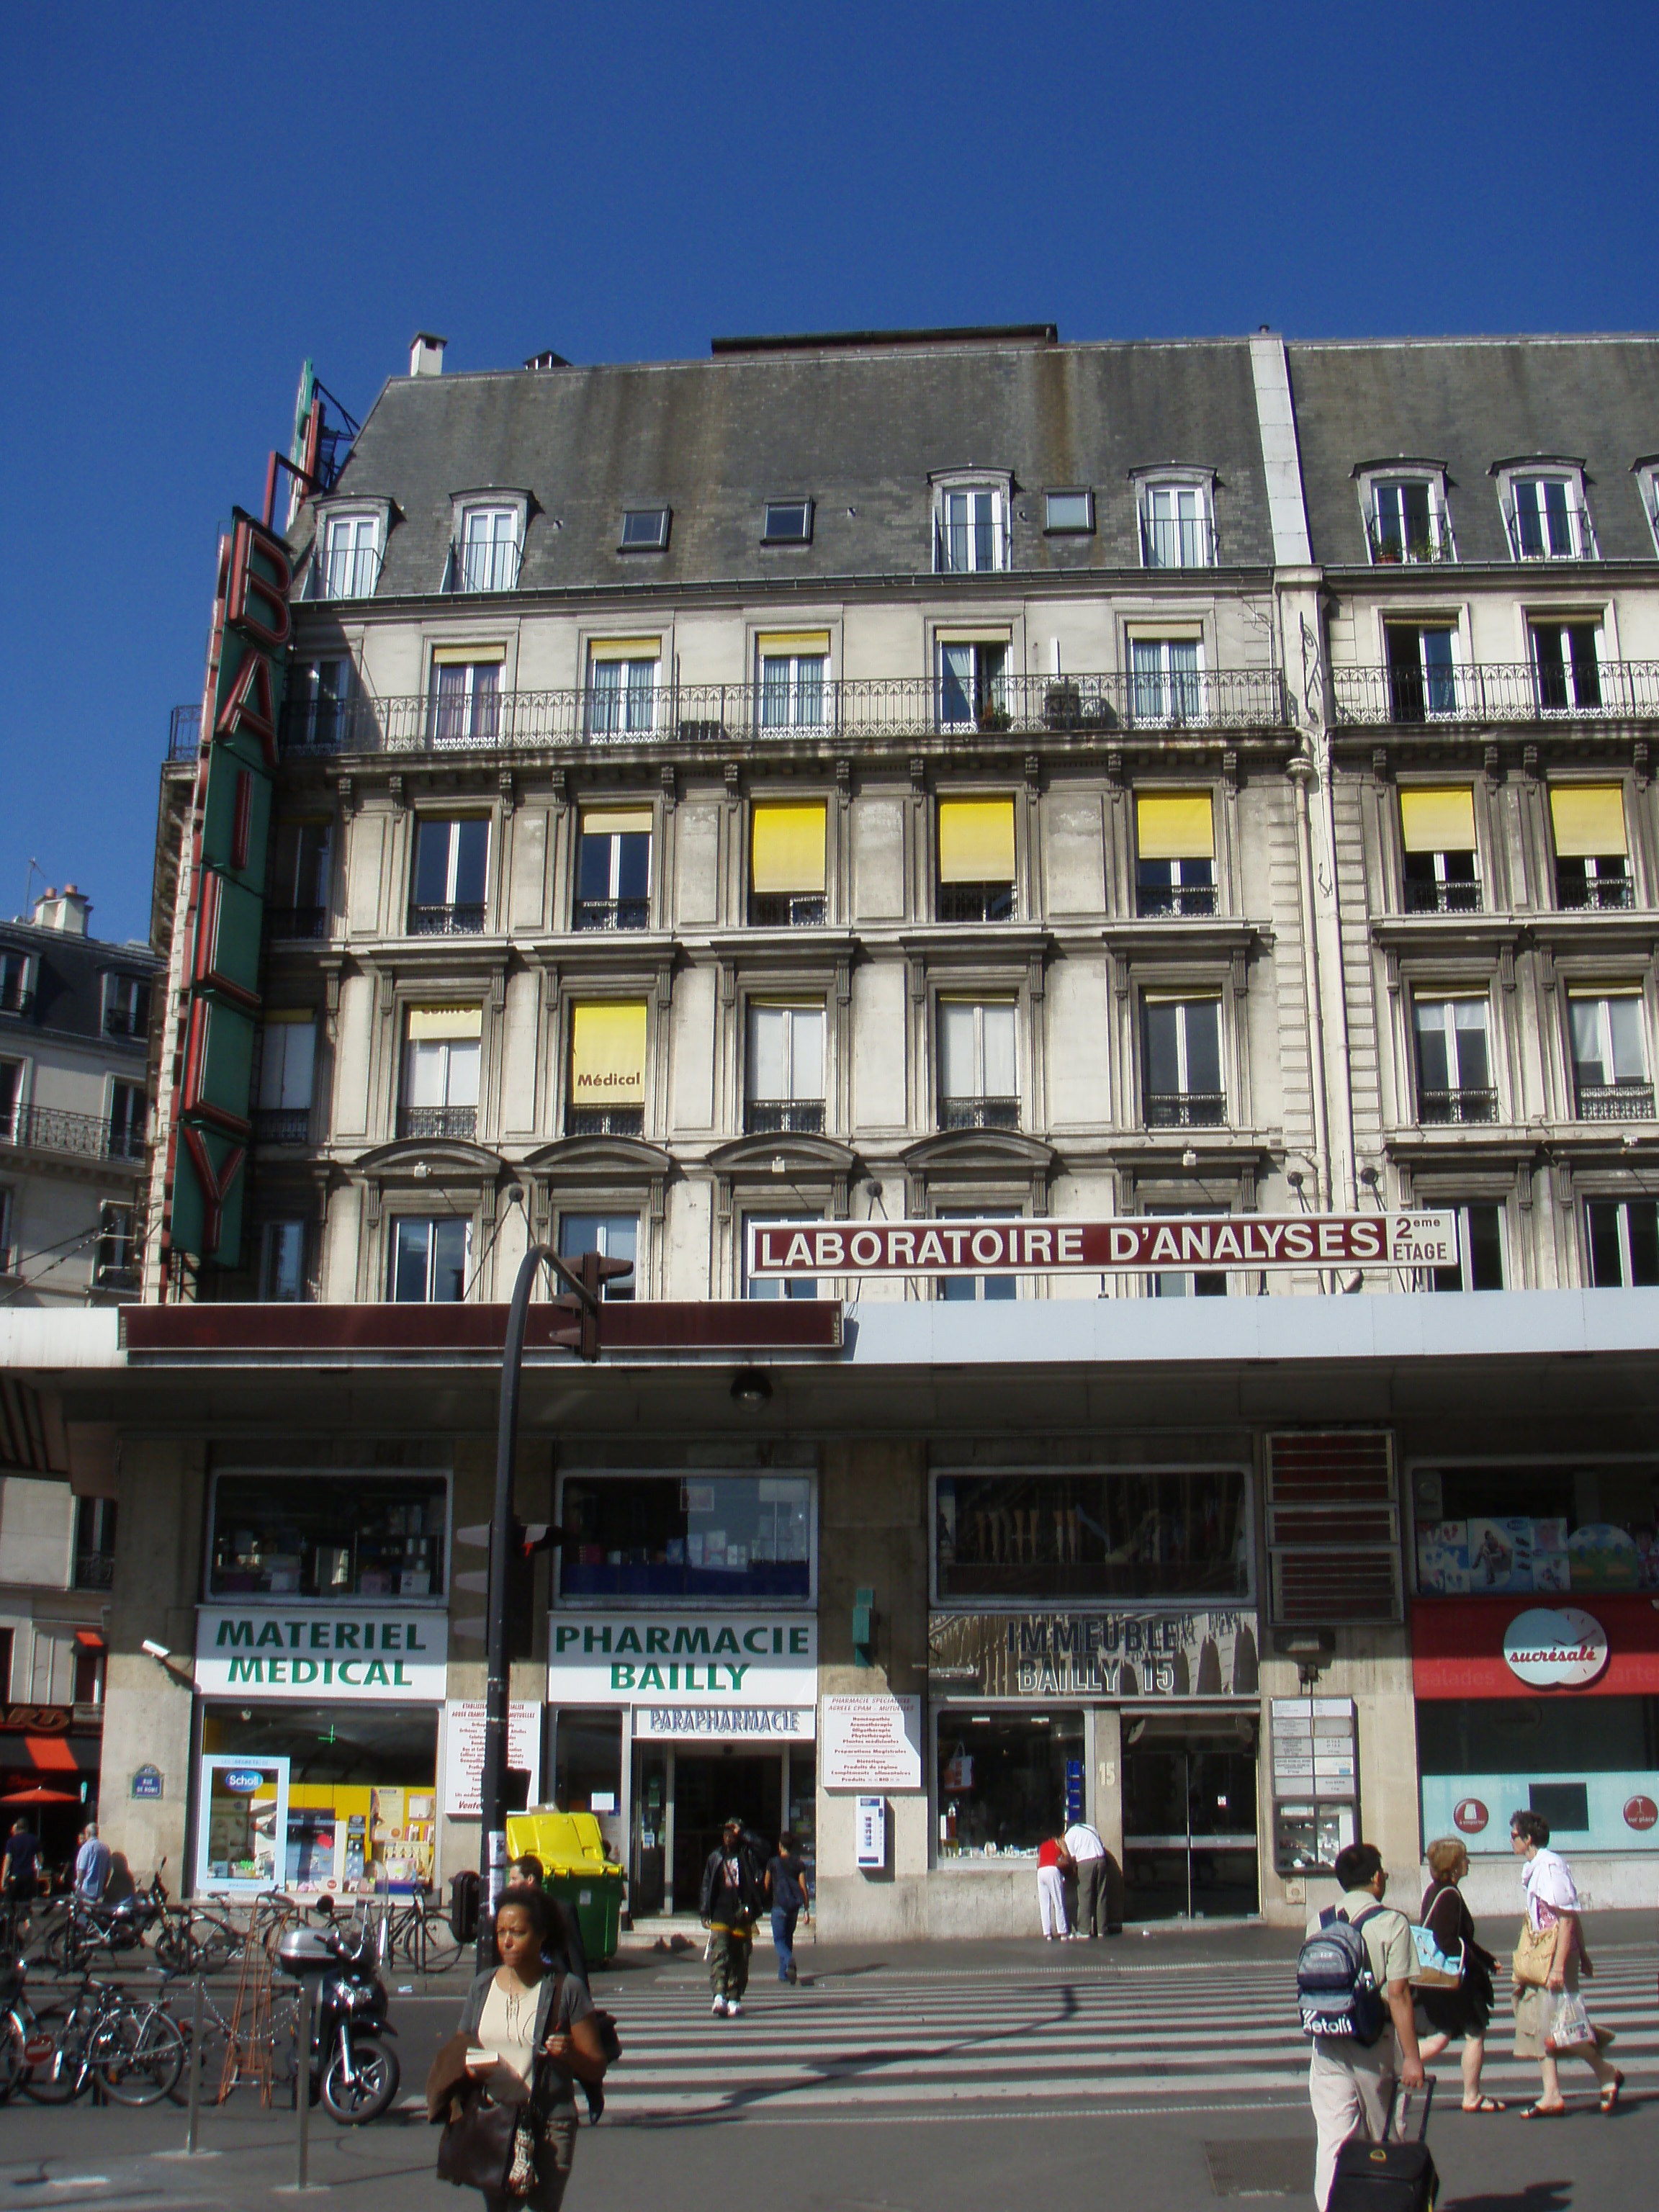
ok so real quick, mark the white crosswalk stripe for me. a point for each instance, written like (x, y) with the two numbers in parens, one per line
(1091, 2035)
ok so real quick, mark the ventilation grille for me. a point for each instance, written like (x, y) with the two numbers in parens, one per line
(1333, 1527)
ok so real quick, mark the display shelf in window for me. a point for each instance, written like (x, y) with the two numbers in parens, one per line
(1500, 1528)
(734, 1537)
(1169, 1534)
(322, 1536)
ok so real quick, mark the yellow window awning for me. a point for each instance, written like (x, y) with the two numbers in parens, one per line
(793, 642)
(1589, 819)
(1438, 818)
(273, 1015)
(624, 649)
(976, 841)
(607, 1053)
(463, 656)
(446, 1022)
(1175, 825)
(789, 847)
(614, 821)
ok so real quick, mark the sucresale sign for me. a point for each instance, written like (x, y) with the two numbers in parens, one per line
(322, 1653)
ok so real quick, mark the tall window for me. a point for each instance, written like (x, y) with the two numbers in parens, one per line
(978, 1075)
(1436, 825)
(1192, 1282)
(287, 1056)
(15, 989)
(441, 1072)
(613, 1237)
(1592, 851)
(1166, 678)
(975, 860)
(972, 685)
(607, 1067)
(971, 531)
(1480, 1265)
(622, 686)
(127, 1005)
(613, 868)
(95, 1542)
(283, 1263)
(351, 566)
(7, 1258)
(318, 713)
(430, 1260)
(768, 1287)
(1454, 1067)
(1623, 1243)
(322, 1537)
(451, 860)
(1567, 657)
(488, 550)
(128, 1108)
(1175, 853)
(116, 1266)
(1407, 522)
(1176, 529)
(466, 702)
(1422, 671)
(299, 890)
(786, 864)
(792, 670)
(11, 1100)
(1181, 1039)
(1609, 1057)
(784, 1071)
(1549, 521)
(972, 1289)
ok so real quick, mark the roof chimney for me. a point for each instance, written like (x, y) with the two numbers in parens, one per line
(426, 355)
(66, 910)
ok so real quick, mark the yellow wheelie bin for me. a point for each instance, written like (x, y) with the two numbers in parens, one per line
(572, 1853)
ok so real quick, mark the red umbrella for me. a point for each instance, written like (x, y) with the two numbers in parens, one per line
(39, 1796)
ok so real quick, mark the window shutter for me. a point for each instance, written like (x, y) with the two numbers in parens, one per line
(793, 642)
(1175, 825)
(607, 1053)
(615, 821)
(624, 649)
(1589, 819)
(445, 1022)
(467, 656)
(1334, 1528)
(976, 841)
(788, 848)
(1438, 820)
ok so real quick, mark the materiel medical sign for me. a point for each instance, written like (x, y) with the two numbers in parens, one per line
(784, 1251)
(231, 829)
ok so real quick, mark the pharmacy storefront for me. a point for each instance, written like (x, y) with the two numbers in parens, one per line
(683, 1655)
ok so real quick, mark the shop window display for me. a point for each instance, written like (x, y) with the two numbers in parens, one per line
(668, 1536)
(1497, 1530)
(1180, 1534)
(1002, 1781)
(361, 1797)
(337, 1535)
(1591, 1766)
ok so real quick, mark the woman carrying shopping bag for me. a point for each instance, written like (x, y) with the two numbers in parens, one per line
(1465, 2011)
(1550, 2019)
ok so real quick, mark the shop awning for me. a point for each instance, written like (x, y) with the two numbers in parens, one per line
(51, 1754)
(23, 1753)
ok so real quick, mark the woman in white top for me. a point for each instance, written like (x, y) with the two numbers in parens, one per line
(1553, 1905)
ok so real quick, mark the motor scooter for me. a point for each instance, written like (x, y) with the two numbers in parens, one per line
(351, 2063)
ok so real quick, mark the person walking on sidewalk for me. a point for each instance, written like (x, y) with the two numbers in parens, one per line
(731, 1901)
(1553, 1929)
(1351, 2084)
(1054, 1861)
(92, 1865)
(1089, 1854)
(1444, 2015)
(786, 1891)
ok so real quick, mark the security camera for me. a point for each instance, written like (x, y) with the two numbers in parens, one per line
(156, 1650)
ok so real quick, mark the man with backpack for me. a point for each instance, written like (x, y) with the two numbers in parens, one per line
(733, 1884)
(1353, 1984)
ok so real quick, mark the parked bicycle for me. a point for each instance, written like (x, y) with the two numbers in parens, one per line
(417, 1936)
(88, 1926)
(133, 2048)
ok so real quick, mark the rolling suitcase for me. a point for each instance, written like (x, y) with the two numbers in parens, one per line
(1395, 2175)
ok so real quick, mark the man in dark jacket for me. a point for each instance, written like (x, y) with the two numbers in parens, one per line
(732, 1886)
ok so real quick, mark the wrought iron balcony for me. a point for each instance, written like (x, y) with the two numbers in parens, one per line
(282, 1125)
(88, 1136)
(1186, 1110)
(1389, 549)
(1173, 541)
(1577, 893)
(786, 909)
(975, 903)
(185, 733)
(446, 921)
(1565, 534)
(95, 1571)
(1436, 1109)
(1625, 1101)
(979, 1112)
(1155, 899)
(1424, 896)
(726, 713)
(343, 572)
(450, 1123)
(1513, 691)
(783, 1117)
(296, 922)
(128, 1021)
(612, 914)
(481, 566)
(604, 1120)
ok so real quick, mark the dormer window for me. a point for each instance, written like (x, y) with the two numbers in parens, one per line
(970, 527)
(489, 551)
(1545, 512)
(351, 552)
(1177, 524)
(644, 529)
(1406, 518)
(1647, 478)
(788, 522)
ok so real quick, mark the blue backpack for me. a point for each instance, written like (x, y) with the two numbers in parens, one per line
(1336, 1986)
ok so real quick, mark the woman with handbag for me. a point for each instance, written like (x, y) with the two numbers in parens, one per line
(1466, 2011)
(504, 2084)
(1550, 2021)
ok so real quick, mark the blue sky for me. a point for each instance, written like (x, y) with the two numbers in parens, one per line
(192, 206)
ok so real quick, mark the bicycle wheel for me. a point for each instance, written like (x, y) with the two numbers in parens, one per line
(68, 1946)
(11, 2053)
(54, 2070)
(373, 2084)
(139, 2056)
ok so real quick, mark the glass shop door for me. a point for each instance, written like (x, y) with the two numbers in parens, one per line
(1189, 1823)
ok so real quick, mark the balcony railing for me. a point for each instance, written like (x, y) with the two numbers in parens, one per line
(485, 565)
(1576, 893)
(786, 909)
(781, 1117)
(1390, 550)
(1436, 1109)
(1490, 692)
(448, 1123)
(979, 1112)
(95, 1571)
(724, 714)
(296, 921)
(1186, 1110)
(606, 1121)
(282, 1125)
(1155, 899)
(1422, 896)
(1567, 534)
(1623, 1100)
(613, 914)
(127, 1021)
(344, 572)
(185, 733)
(975, 903)
(1177, 541)
(88, 1136)
(446, 921)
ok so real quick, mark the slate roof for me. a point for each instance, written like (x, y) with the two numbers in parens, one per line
(858, 427)
(1469, 403)
(67, 995)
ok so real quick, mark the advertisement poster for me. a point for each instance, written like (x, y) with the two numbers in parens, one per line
(464, 1751)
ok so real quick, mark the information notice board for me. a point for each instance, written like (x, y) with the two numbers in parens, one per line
(871, 1743)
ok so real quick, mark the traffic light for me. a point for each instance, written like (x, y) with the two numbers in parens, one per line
(864, 1626)
(592, 1271)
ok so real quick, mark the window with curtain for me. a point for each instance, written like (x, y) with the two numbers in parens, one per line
(1592, 849)
(430, 1260)
(1175, 529)
(784, 1071)
(317, 711)
(287, 1057)
(451, 857)
(787, 873)
(351, 563)
(1437, 828)
(613, 1237)
(971, 531)
(1566, 659)
(128, 1111)
(792, 669)
(1180, 1042)
(466, 702)
(1175, 853)
(613, 868)
(976, 870)
(490, 550)
(1166, 679)
(622, 686)
(299, 879)
(441, 1072)
(1454, 1066)
(973, 684)
(1422, 671)
(1548, 520)
(1609, 1057)
(978, 1075)
(607, 1067)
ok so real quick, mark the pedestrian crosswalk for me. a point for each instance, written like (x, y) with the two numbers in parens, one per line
(1092, 2032)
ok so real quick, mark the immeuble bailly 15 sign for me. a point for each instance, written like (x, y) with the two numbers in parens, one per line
(780, 1251)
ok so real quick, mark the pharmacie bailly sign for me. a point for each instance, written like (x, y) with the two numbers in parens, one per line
(322, 1653)
(718, 1675)
(784, 1251)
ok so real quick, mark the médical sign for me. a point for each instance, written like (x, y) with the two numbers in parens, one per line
(782, 1251)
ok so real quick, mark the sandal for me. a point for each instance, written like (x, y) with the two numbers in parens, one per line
(1545, 2112)
(1610, 2095)
(1487, 2105)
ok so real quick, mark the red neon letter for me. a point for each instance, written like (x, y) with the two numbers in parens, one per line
(255, 713)
(246, 583)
